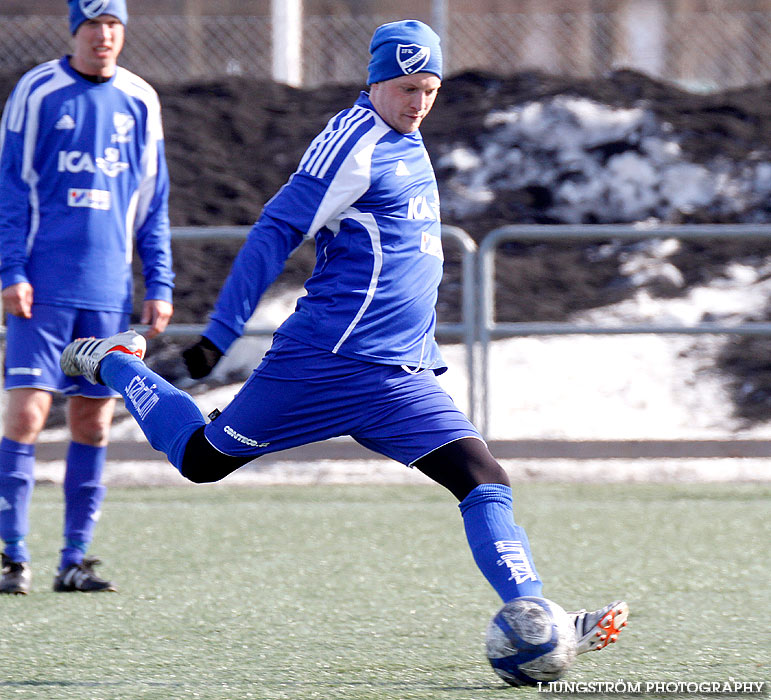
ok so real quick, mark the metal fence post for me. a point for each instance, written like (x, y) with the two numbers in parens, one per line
(486, 320)
(467, 328)
(287, 20)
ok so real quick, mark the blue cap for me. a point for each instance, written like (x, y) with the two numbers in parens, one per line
(404, 48)
(81, 10)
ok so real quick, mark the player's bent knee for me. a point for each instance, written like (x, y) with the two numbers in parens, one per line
(463, 465)
(197, 475)
(202, 464)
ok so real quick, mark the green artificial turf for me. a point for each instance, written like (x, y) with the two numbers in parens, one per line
(353, 592)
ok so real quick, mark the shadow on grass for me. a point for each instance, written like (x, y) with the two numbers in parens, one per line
(84, 684)
(160, 684)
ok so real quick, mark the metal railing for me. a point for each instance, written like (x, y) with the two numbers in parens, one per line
(490, 329)
(478, 326)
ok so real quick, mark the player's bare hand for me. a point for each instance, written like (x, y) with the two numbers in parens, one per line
(156, 314)
(17, 300)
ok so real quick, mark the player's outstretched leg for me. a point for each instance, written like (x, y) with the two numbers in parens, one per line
(166, 415)
(500, 547)
(595, 630)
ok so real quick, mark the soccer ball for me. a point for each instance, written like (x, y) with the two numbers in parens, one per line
(530, 640)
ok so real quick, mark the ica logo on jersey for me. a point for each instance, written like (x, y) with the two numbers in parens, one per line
(78, 161)
(422, 208)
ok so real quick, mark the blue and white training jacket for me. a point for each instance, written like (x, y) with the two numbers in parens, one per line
(369, 196)
(83, 171)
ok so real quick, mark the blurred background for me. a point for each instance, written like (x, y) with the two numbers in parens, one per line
(702, 45)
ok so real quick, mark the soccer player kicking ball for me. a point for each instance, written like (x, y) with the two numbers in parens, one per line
(358, 356)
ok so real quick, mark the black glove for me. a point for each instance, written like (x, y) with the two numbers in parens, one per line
(201, 358)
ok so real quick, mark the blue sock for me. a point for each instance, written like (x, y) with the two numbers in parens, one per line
(73, 552)
(500, 547)
(17, 479)
(83, 496)
(166, 415)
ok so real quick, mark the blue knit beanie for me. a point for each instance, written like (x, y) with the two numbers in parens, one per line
(404, 48)
(81, 10)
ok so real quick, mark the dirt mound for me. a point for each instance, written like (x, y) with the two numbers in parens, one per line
(232, 144)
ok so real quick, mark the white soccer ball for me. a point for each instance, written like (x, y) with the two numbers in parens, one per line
(530, 640)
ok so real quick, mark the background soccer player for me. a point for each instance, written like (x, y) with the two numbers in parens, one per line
(358, 356)
(82, 169)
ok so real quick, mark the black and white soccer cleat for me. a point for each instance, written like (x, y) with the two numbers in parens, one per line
(81, 577)
(16, 577)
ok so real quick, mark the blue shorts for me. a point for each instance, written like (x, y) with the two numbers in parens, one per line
(300, 394)
(34, 345)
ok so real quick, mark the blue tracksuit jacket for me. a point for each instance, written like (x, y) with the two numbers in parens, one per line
(83, 172)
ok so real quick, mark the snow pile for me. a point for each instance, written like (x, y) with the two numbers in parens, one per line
(629, 387)
(592, 163)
